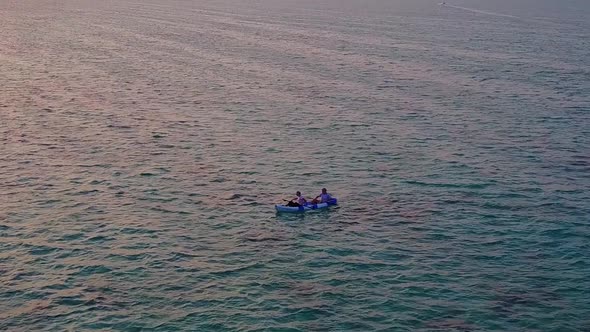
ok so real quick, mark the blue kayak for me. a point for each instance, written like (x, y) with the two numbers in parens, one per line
(306, 207)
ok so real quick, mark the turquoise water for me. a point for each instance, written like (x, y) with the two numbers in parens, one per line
(144, 144)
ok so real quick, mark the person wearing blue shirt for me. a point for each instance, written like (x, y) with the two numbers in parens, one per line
(324, 197)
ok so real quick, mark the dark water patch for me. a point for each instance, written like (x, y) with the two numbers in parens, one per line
(50, 202)
(354, 326)
(42, 250)
(92, 192)
(450, 185)
(237, 270)
(159, 199)
(235, 196)
(262, 238)
(165, 210)
(99, 239)
(24, 275)
(248, 172)
(303, 314)
(68, 252)
(450, 325)
(93, 270)
(119, 126)
(342, 252)
(27, 179)
(440, 237)
(137, 230)
(94, 165)
(506, 207)
(71, 301)
(178, 256)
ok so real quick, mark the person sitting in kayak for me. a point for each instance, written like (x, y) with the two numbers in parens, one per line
(297, 201)
(324, 197)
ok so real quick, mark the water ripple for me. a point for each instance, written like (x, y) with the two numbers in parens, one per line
(145, 144)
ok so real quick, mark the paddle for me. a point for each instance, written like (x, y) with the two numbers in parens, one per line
(288, 201)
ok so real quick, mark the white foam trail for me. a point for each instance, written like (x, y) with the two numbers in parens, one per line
(480, 11)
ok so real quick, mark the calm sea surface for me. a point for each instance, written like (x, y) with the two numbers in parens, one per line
(144, 143)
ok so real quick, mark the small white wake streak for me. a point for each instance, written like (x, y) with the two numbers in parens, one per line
(480, 11)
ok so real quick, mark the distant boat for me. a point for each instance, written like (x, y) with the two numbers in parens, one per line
(442, 3)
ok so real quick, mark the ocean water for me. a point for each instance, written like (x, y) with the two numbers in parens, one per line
(144, 143)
